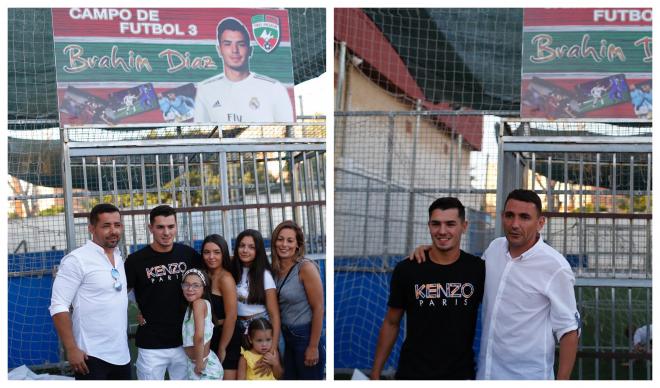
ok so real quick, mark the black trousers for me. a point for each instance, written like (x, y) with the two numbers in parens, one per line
(101, 370)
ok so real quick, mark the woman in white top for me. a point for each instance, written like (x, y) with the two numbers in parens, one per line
(255, 287)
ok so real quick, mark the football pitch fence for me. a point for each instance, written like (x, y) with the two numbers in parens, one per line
(255, 178)
(594, 180)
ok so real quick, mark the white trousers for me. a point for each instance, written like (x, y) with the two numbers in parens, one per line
(152, 363)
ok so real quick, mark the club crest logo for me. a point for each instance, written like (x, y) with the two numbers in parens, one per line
(254, 103)
(266, 30)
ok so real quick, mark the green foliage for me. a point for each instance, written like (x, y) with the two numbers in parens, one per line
(590, 208)
(52, 211)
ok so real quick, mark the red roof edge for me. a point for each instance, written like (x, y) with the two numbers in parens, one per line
(364, 38)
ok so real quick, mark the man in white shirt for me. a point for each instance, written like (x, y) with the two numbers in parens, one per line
(529, 299)
(92, 281)
(238, 95)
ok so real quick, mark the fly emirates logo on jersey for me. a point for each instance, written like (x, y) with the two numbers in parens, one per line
(162, 273)
(448, 294)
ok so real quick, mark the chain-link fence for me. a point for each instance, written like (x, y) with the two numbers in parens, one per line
(595, 183)
(594, 180)
(389, 167)
(426, 103)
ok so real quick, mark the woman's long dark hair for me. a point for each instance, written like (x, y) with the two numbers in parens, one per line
(224, 250)
(257, 293)
(225, 262)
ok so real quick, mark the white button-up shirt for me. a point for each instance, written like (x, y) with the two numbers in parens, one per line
(528, 301)
(100, 316)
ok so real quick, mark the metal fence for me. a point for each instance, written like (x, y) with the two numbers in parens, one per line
(389, 167)
(218, 185)
(220, 180)
(595, 182)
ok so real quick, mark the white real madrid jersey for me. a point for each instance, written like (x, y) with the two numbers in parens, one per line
(255, 99)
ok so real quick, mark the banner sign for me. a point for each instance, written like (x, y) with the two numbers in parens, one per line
(139, 67)
(587, 63)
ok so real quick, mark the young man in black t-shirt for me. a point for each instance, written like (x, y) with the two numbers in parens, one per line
(440, 298)
(154, 272)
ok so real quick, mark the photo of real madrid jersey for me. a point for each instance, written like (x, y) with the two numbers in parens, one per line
(255, 99)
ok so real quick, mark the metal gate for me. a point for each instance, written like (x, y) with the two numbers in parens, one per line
(595, 182)
(217, 185)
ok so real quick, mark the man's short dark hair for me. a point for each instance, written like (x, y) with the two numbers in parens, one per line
(525, 196)
(233, 24)
(161, 210)
(100, 209)
(447, 203)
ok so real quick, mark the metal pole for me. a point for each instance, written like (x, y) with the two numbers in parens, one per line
(499, 202)
(551, 202)
(410, 232)
(451, 163)
(100, 178)
(224, 200)
(115, 195)
(565, 247)
(319, 195)
(255, 170)
(132, 203)
(173, 181)
(143, 173)
(614, 210)
(582, 240)
(268, 198)
(186, 191)
(282, 189)
(630, 335)
(202, 180)
(597, 336)
(631, 210)
(158, 180)
(306, 184)
(365, 230)
(613, 329)
(342, 75)
(647, 266)
(597, 210)
(388, 184)
(68, 193)
(243, 194)
(580, 339)
(85, 186)
(295, 195)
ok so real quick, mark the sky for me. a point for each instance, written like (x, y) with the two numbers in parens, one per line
(313, 92)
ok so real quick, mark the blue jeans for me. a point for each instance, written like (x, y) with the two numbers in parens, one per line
(296, 339)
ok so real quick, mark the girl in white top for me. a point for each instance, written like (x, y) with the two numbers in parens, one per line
(197, 329)
(255, 287)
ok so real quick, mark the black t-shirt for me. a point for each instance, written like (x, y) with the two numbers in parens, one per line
(156, 279)
(441, 304)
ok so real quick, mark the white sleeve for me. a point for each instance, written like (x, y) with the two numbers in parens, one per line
(67, 281)
(200, 111)
(283, 108)
(269, 282)
(564, 315)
